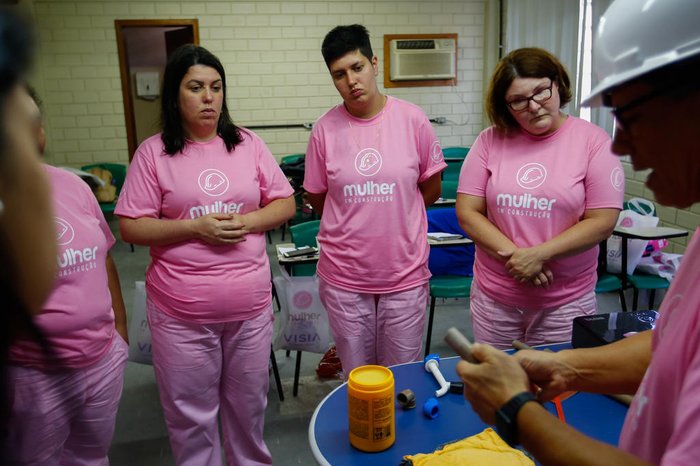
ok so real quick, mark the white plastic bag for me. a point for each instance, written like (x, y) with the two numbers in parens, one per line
(304, 321)
(139, 332)
(662, 264)
(635, 247)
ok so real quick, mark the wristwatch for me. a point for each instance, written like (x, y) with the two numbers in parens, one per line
(506, 424)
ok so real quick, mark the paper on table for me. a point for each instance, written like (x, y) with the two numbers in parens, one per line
(441, 236)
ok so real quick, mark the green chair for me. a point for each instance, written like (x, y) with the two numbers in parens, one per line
(643, 281)
(303, 234)
(291, 158)
(449, 189)
(451, 266)
(118, 172)
(608, 283)
(454, 157)
(445, 286)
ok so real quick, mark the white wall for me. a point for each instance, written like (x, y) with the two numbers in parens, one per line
(271, 53)
(275, 72)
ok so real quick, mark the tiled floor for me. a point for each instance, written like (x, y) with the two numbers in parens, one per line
(141, 437)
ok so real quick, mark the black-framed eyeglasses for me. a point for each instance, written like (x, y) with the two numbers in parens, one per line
(619, 112)
(540, 97)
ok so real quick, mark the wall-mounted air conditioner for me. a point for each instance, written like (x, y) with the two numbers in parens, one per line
(423, 59)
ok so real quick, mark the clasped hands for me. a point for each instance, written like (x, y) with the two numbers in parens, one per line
(526, 265)
(220, 229)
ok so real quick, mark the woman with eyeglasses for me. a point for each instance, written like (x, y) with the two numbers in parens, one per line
(538, 192)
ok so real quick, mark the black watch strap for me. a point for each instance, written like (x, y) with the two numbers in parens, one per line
(506, 424)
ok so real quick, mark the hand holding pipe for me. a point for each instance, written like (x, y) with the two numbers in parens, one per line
(432, 365)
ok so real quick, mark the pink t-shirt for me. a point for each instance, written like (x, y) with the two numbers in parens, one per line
(535, 188)
(663, 422)
(193, 280)
(373, 229)
(77, 318)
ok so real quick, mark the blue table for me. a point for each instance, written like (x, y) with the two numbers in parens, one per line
(595, 415)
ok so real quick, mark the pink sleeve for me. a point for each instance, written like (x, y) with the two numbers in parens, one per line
(605, 180)
(474, 174)
(683, 447)
(273, 183)
(315, 177)
(141, 194)
(432, 160)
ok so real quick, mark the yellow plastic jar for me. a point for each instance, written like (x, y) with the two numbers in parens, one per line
(371, 408)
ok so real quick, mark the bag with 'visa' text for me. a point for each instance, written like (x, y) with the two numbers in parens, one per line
(139, 332)
(304, 321)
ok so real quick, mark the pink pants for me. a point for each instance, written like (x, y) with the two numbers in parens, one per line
(384, 329)
(204, 369)
(66, 417)
(499, 324)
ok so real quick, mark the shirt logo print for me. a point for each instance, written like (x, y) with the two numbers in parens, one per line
(436, 152)
(617, 178)
(368, 162)
(64, 231)
(213, 182)
(531, 175)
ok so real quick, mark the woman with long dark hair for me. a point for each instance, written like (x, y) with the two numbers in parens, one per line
(202, 194)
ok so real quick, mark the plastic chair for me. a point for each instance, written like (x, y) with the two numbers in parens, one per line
(291, 158)
(303, 234)
(608, 282)
(454, 157)
(643, 281)
(451, 266)
(449, 189)
(293, 167)
(276, 372)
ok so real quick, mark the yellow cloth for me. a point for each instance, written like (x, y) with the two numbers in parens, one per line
(483, 449)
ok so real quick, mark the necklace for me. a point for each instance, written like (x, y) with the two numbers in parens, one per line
(377, 138)
(376, 141)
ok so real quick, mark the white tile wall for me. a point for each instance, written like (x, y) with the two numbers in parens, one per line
(271, 53)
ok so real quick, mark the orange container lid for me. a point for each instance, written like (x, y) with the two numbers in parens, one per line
(371, 378)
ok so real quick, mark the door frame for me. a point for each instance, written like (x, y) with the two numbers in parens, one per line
(124, 71)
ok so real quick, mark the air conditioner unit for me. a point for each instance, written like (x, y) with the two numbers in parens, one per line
(423, 59)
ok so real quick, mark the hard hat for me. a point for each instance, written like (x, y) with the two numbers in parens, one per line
(635, 37)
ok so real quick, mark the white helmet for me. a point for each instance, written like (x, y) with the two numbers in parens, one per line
(635, 37)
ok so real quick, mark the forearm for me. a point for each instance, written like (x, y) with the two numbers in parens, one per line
(486, 235)
(146, 231)
(555, 443)
(578, 238)
(316, 200)
(271, 216)
(115, 291)
(430, 189)
(615, 368)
